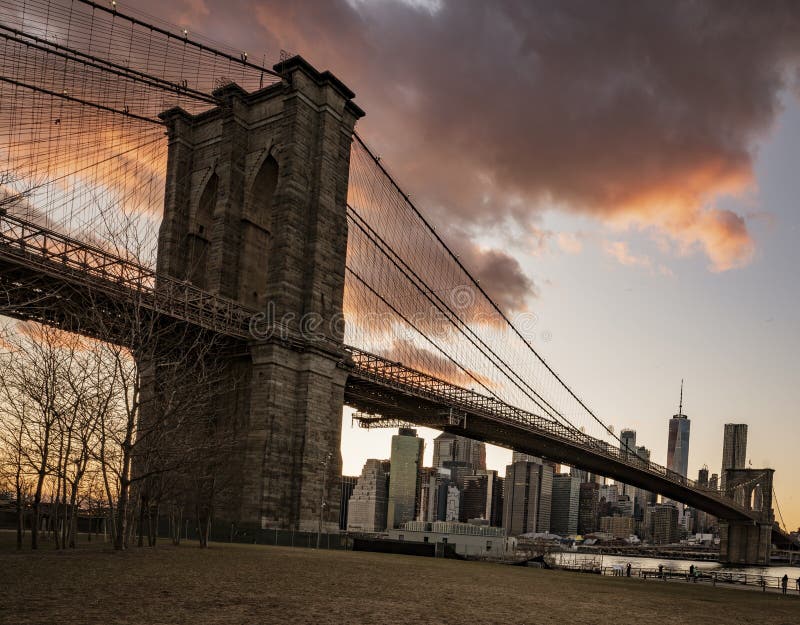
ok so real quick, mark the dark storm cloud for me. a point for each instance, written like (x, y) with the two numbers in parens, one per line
(498, 273)
(640, 113)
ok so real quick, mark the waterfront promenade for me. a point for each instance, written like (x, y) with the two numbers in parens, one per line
(240, 584)
(765, 579)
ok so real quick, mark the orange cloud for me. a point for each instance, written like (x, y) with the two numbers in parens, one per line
(620, 252)
(569, 242)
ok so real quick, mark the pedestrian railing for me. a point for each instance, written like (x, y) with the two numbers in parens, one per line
(722, 578)
(730, 578)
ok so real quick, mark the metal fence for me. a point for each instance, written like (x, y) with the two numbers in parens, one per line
(230, 533)
(697, 576)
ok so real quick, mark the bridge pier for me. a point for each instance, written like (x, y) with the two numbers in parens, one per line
(293, 438)
(748, 542)
(255, 211)
(745, 543)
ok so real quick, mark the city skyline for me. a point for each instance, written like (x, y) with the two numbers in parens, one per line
(356, 441)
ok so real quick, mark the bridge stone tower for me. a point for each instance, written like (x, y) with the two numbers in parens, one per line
(255, 211)
(748, 542)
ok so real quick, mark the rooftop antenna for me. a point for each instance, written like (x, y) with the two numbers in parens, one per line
(680, 405)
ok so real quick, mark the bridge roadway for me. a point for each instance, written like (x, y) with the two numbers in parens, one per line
(51, 278)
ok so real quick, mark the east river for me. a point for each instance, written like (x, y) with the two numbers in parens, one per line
(652, 563)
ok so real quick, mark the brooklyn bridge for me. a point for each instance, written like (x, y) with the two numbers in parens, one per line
(153, 179)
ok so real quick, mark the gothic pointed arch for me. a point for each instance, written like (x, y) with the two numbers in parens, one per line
(200, 232)
(257, 233)
(757, 498)
(264, 186)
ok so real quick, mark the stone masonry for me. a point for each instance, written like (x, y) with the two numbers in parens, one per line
(748, 542)
(255, 210)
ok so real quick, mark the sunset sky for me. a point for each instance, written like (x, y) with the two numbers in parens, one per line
(627, 171)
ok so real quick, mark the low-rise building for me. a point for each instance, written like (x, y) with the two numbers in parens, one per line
(618, 526)
(470, 539)
(660, 526)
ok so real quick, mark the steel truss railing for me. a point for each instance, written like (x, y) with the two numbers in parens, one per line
(48, 252)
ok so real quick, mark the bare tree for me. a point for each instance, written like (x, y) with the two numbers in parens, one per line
(13, 470)
(30, 394)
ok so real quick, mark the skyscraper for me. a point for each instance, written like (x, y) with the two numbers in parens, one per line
(642, 497)
(702, 476)
(348, 485)
(366, 511)
(449, 447)
(428, 494)
(564, 512)
(545, 498)
(734, 448)
(627, 442)
(482, 498)
(527, 498)
(518, 456)
(678, 441)
(582, 475)
(627, 446)
(436, 495)
(588, 507)
(660, 524)
(406, 461)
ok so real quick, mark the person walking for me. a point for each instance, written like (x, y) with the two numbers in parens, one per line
(784, 583)
(798, 584)
(691, 572)
(628, 569)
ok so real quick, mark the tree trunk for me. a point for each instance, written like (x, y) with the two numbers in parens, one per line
(204, 526)
(110, 500)
(72, 530)
(55, 514)
(152, 527)
(176, 521)
(73, 506)
(37, 504)
(121, 522)
(20, 518)
(142, 511)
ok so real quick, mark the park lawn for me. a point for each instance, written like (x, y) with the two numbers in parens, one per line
(249, 584)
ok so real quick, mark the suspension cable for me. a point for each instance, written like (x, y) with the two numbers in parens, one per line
(477, 285)
(461, 325)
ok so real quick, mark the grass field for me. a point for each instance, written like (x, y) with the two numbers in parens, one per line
(244, 585)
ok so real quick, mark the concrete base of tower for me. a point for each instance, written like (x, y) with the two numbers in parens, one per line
(745, 543)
